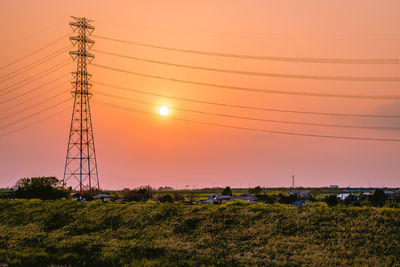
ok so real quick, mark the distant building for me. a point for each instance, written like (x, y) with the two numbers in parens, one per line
(210, 198)
(388, 193)
(302, 194)
(333, 186)
(103, 197)
(343, 196)
(222, 199)
(248, 197)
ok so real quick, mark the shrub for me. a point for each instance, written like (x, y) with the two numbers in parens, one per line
(141, 194)
(227, 191)
(178, 196)
(331, 200)
(288, 199)
(166, 198)
(45, 188)
(378, 198)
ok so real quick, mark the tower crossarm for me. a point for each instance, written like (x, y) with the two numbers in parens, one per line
(81, 39)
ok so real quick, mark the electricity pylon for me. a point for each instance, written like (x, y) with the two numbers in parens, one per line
(80, 164)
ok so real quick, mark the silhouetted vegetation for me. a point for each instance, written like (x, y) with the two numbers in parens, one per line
(166, 198)
(378, 198)
(142, 194)
(331, 200)
(45, 188)
(256, 190)
(179, 196)
(227, 191)
(73, 233)
(288, 199)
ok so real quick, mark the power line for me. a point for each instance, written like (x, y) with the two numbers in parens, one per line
(268, 91)
(252, 129)
(34, 52)
(34, 105)
(35, 122)
(258, 119)
(33, 64)
(32, 115)
(247, 107)
(35, 77)
(34, 89)
(268, 58)
(264, 74)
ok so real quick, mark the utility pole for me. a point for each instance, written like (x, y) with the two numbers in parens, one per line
(80, 164)
(292, 181)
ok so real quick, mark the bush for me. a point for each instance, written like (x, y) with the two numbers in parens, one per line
(288, 199)
(178, 196)
(351, 199)
(141, 194)
(378, 198)
(331, 200)
(255, 190)
(227, 191)
(166, 198)
(266, 198)
(45, 188)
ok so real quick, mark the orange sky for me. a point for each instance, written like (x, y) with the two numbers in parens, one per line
(134, 149)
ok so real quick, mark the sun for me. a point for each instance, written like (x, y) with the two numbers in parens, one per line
(164, 110)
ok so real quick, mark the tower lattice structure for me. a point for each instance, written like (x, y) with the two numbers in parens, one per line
(80, 165)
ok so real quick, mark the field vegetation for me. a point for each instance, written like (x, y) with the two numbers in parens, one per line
(66, 232)
(40, 225)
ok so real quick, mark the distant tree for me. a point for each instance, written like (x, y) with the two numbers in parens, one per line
(331, 200)
(378, 198)
(266, 198)
(45, 188)
(89, 194)
(178, 196)
(166, 198)
(288, 199)
(227, 191)
(256, 190)
(351, 199)
(191, 196)
(141, 194)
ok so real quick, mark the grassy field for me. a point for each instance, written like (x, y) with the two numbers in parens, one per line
(65, 232)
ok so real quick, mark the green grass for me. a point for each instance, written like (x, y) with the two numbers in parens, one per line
(63, 232)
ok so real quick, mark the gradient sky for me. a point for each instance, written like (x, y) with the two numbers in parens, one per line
(134, 149)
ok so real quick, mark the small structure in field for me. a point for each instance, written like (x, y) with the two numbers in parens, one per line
(222, 199)
(248, 197)
(103, 197)
(302, 194)
(210, 198)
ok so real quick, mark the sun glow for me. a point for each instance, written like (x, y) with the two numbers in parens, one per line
(164, 110)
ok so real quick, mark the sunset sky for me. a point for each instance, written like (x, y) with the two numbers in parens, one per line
(135, 149)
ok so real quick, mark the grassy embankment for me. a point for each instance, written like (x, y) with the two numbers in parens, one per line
(40, 233)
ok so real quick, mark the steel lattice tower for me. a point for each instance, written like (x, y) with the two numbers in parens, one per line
(80, 164)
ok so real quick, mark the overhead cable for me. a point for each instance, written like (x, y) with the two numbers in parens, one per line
(34, 122)
(247, 107)
(33, 78)
(35, 51)
(268, 91)
(34, 89)
(266, 74)
(268, 58)
(253, 129)
(256, 119)
(33, 64)
(32, 115)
